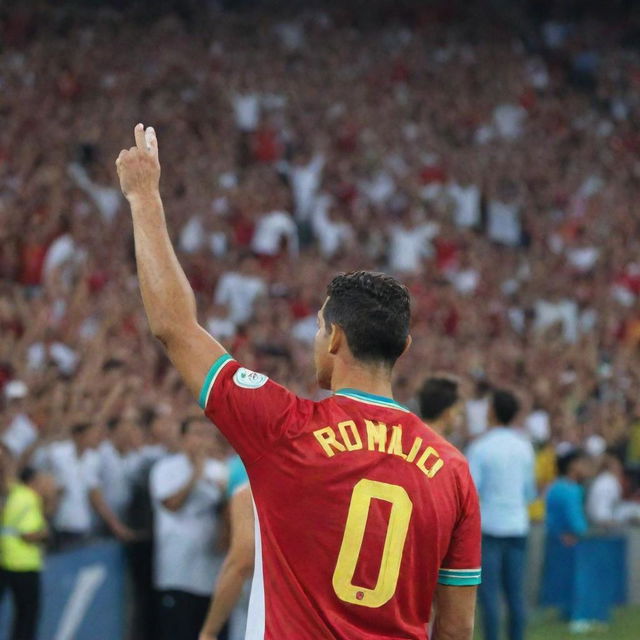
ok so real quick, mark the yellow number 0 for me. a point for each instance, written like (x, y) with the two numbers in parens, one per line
(401, 508)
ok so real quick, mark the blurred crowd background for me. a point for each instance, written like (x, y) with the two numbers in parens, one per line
(486, 153)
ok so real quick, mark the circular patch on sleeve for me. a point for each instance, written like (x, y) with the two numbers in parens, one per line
(248, 379)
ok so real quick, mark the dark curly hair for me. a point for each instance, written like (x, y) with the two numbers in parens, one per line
(374, 311)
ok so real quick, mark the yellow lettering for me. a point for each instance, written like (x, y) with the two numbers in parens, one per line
(376, 435)
(437, 465)
(395, 444)
(411, 456)
(327, 439)
(346, 437)
(353, 441)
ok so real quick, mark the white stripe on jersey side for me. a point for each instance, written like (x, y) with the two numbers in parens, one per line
(256, 615)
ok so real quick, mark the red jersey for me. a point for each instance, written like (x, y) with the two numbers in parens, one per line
(360, 509)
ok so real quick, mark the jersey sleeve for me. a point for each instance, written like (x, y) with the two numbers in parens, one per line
(253, 412)
(461, 564)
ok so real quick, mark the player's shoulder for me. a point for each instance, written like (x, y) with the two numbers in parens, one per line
(450, 453)
(245, 378)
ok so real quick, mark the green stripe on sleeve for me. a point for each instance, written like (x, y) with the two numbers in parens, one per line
(210, 378)
(460, 577)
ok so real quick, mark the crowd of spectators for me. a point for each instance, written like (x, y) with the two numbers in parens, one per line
(490, 160)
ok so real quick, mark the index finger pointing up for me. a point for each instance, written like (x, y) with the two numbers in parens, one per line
(138, 132)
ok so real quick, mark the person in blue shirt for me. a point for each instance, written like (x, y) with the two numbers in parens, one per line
(565, 524)
(502, 465)
(238, 563)
(565, 504)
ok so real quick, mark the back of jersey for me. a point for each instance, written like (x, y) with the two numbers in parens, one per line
(361, 509)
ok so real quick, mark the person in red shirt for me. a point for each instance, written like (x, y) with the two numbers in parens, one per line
(364, 515)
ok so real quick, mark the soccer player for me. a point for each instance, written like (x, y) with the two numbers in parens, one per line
(363, 514)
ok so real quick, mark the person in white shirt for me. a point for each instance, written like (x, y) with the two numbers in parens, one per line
(187, 490)
(466, 199)
(331, 228)
(537, 424)
(502, 465)
(563, 311)
(272, 230)
(246, 108)
(238, 290)
(605, 506)
(63, 356)
(508, 120)
(64, 254)
(504, 225)
(477, 410)
(305, 177)
(410, 244)
(75, 465)
(107, 199)
(21, 432)
(120, 461)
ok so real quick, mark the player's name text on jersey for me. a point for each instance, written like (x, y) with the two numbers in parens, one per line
(377, 436)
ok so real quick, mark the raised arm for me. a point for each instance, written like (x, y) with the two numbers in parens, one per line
(168, 299)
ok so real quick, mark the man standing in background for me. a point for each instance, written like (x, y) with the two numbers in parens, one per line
(566, 523)
(120, 461)
(23, 530)
(502, 466)
(75, 464)
(187, 489)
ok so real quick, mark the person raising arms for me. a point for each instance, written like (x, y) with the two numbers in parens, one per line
(363, 514)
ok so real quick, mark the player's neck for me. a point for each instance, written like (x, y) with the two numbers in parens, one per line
(373, 380)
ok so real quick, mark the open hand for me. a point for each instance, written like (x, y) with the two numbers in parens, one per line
(139, 167)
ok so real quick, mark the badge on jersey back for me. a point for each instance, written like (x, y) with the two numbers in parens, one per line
(248, 379)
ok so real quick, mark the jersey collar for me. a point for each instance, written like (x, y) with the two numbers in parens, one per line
(370, 398)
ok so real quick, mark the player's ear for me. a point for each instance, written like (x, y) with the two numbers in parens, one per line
(335, 338)
(407, 344)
